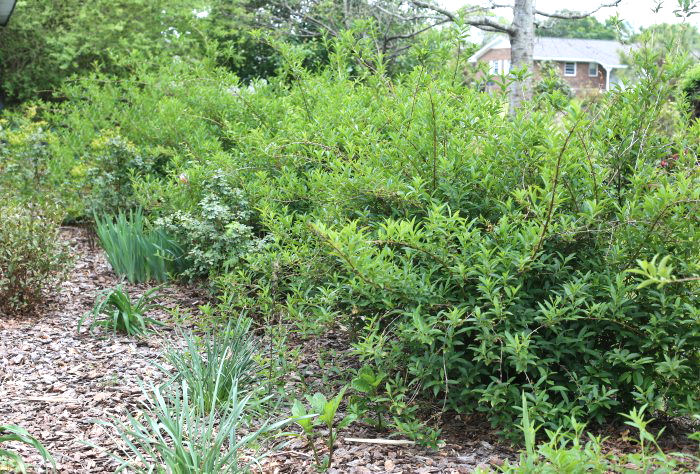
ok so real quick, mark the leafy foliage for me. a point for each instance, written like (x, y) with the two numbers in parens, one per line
(568, 450)
(214, 231)
(661, 43)
(10, 433)
(48, 42)
(172, 433)
(136, 253)
(112, 164)
(224, 363)
(552, 87)
(368, 384)
(474, 256)
(33, 260)
(691, 87)
(115, 310)
(389, 27)
(322, 413)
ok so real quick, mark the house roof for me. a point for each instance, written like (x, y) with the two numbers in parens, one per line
(604, 52)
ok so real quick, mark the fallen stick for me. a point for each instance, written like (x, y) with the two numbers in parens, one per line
(393, 442)
(56, 399)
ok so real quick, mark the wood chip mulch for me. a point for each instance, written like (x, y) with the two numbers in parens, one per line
(56, 383)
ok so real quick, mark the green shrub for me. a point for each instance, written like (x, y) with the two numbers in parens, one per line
(552, 87)
(25, 158)
(474, 256)
(691, 87)
(33, 258)
(136, 253)
(112, 164)
(114, 310)
(213, 366)
(76, 37)
(213, 231)
(10, 433)
(30, 167)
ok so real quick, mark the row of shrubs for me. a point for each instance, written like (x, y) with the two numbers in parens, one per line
(475, 256)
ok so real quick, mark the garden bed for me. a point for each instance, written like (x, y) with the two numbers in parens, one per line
(57, 384)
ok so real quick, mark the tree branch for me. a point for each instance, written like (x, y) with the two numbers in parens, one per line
(482, 22)
(405, 18)
(578, 16)
(435, 8)
(489, 24)
(412, 34)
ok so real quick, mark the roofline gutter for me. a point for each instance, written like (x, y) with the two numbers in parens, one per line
(580, 60)
(475, 59)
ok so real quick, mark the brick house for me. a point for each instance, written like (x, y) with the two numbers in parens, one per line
(585, 64)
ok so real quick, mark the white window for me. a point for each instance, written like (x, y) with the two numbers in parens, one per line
(593, 69)
(569, 69)
(494, 67)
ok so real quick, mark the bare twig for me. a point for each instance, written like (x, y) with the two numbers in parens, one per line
(392, 442)
(554, 190)
(575, 15)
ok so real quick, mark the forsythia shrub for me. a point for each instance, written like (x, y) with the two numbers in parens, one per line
(33, 260)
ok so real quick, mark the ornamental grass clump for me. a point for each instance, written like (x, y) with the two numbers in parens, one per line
(135, 252)
(176, 432)
(213, 364)
(115, 310)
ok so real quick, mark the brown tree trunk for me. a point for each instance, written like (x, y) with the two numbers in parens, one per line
(522, 44)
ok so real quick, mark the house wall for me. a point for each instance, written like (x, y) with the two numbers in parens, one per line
(581, 82)
(502, 54)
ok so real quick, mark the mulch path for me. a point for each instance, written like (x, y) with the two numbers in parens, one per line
(56, 383)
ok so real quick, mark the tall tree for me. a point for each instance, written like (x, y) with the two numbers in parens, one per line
(521, 32)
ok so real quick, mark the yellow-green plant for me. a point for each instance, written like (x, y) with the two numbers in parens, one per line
(9, 433)
(114, 310)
